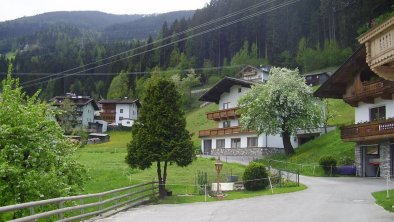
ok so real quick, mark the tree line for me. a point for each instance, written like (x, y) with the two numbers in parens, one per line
(309, 34)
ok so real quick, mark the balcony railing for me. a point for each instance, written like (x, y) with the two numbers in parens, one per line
(368, 131)
(109, 117)
(223, 114)
(368, 91)
(223, 131)
(379, 43)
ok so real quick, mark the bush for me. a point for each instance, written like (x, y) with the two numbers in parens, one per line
(253, 175)
(328, 163)
(346, 161)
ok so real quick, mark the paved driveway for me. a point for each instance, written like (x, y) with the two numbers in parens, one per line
(326, 199)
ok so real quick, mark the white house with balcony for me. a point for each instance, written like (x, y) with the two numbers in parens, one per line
(120, 111)
(229, 138)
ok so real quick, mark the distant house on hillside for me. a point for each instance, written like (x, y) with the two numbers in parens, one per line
(254, 74)
(316, 78)
(120, 111)
(84, 108)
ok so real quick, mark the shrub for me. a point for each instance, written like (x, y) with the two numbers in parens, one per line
(328, 163)
(253, 176)
(346, 161)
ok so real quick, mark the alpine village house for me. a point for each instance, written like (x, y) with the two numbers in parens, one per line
(229, 139)
(366, 82)
(120, 111)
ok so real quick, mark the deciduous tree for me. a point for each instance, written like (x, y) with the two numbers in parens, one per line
(282, 105)
(36, 159)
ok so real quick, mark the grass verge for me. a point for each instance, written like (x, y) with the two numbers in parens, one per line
(309, 154)
(230, 195)
(382, 200)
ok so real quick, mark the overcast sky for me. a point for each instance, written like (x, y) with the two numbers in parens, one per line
(18, 8)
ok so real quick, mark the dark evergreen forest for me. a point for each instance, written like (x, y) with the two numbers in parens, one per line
(309, 34)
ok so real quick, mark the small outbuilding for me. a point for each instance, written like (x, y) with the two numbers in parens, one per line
(103, 137)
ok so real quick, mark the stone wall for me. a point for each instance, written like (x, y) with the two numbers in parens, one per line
(358, 161)
(256, 152)
(385, 159)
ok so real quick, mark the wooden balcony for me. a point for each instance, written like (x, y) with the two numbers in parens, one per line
(369, 91)
(379, 43)
(223, 131)
(109, 117)
(223, 114)
(377, 130)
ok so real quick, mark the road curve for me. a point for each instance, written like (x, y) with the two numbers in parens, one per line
(326, 199)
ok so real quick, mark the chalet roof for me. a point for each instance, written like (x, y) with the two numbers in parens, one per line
(336, 85)
(77, 100)
(224, 85)
(119, 101)
(261, 69)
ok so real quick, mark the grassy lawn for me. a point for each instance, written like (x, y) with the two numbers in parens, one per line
(231, 195)
(382, 200)
(108, 170)
(312, 151)
(196, 120)
(343, 113)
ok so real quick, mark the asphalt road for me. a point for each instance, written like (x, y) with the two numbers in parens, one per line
(326, 199)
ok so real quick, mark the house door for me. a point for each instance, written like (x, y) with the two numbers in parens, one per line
(371, 160)
(207, 147)
(392, 160)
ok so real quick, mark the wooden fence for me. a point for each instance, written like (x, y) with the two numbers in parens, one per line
(83, 206)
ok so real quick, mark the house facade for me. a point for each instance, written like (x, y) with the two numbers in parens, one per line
(119, 111)
(84, 108)
(372, 97)
(228, 138)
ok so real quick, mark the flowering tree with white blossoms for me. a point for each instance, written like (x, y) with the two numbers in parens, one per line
(282, 105)
(36, 160)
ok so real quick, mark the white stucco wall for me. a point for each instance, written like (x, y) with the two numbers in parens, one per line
(232, 97)
(130, 111)
(87, 114)
(362, 111)
(263, 141)
(233, 122)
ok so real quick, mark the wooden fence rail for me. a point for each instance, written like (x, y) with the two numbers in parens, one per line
(117, 199)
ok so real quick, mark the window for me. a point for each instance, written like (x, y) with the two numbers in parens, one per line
(220, 143)
(128, 122)
(226, 105)
(226, 124)
(377, 113)
(236, 143)
(252, 141)
(120, 117)
(121, 111)
(239, 90)
(372, 150)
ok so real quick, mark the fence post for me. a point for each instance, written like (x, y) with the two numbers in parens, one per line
(280, 178)
(298, 178)
(387, 186)
(314, 167)
(31, 209)
(331, 171)
(205, 192)
(61, 205)
(269, 179)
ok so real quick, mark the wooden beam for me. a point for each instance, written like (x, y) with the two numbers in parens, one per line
(387, 96)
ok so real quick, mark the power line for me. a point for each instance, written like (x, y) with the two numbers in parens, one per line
(128, 73)
(163, 39)
(171, 43)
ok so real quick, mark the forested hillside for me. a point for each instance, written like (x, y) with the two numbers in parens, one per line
(309, 34)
